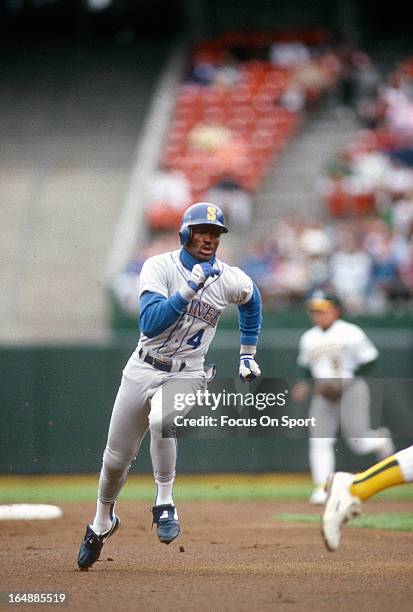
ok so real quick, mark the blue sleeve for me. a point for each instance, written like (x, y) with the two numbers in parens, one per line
(250, 317)
(157, 312)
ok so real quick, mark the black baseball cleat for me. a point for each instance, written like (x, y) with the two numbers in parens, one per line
(165, 518)
(92, 544)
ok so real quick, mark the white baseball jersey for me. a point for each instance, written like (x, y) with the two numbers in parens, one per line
(336, 352)
(191, 334)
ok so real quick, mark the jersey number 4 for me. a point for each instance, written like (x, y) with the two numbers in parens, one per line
(196, 339)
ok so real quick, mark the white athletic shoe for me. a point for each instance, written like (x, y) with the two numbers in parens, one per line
(341, 506)
(318, 497)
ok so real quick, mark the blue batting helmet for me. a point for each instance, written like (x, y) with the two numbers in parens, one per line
(201, 213)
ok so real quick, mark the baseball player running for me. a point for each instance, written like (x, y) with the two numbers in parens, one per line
(333, 353)
(346, 492)
(182, 295)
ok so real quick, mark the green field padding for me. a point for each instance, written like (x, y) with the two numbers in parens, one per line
(56, 404)
(393, 521)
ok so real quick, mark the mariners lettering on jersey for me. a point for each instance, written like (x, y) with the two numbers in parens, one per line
(204, 311)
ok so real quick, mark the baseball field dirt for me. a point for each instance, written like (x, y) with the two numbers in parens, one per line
(230, 556)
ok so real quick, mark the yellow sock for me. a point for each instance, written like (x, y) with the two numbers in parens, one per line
(381, 476)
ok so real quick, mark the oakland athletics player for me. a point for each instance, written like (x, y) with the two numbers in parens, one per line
(346, 492)
(333, 353)
(182, 294)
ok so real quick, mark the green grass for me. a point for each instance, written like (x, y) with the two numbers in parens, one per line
(393, 521)
(211, 487)
(182, 492)
(45, 492)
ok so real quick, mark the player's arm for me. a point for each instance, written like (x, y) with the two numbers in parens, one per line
(250, 319)
(158, 312)
(365, 368)
(301, 389)
(365, 352)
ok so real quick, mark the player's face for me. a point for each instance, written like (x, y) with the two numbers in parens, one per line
(324, 318)
(204, 241)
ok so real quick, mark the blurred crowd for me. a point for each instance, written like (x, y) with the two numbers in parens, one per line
(363, 261)
(374, 173)
(245, 97)
(370, 182)
(242, 98)
(367, 263)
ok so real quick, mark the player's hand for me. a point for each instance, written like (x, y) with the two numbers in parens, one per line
(248, 368)
(200, 272)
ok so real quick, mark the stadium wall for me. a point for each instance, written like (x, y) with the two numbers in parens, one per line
(57, 401)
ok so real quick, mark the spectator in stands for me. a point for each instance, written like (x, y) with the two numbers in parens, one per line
(202, 70)
(209, 136)
(384, 277)
(314, 81)
(125, 284)
(316, 246)
(406, 272)
(369, 165)
(259, 262)
(399, 106)
(170, 186)
(223, 72)
(289, 54)
(290, 279)
(293, 98)
(380, 238)
(366, 83)
(168, 194)
(402, 214)
(388, 251)
(227, 73)
(397, 180)
(350, 272)
(287, 235)
(235, 202)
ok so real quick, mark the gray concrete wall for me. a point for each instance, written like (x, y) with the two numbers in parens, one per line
(71, 116)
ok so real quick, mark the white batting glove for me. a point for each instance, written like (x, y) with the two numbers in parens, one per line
(200, 272)
(248, 367)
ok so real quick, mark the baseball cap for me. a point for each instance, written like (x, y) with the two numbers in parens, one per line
(321, 300)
